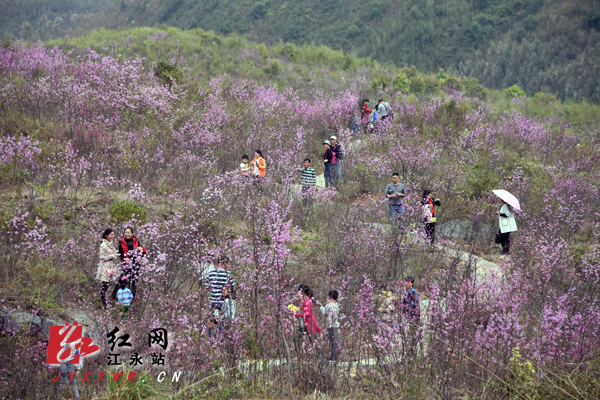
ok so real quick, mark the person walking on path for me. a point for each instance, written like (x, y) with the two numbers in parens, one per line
(311, 326)
(428, 212)
(339, 155)
(507, 224)
(329, 160)
(384, 109)
(68, 372)
(109, 260)
(124, 298)
(130, 253)
(395, 192)
(259, 165)
(332, 312)
(216, 280)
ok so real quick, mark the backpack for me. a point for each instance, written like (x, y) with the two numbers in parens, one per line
(334, 158)
(389, 110)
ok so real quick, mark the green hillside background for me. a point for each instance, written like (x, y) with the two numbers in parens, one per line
(547, 46)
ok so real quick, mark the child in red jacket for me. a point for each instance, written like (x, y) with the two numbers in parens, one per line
(365, 112)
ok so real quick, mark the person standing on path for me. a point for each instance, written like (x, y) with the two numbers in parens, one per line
(329, 160)
(395, 192)
(339, 155)
(428, 211)
(109, 260)
(507, 224)
(332, 312)
(130, 253)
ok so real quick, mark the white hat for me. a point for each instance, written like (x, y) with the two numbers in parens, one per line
(333, 138)
(327, 142)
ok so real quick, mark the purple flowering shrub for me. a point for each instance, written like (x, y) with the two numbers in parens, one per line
(94, 130)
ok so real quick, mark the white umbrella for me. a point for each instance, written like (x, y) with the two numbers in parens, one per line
(508, 198)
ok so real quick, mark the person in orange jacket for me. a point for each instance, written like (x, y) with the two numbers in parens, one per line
(259, 166)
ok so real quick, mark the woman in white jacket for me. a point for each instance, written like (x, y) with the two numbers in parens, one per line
(109, 259)
(507, 224)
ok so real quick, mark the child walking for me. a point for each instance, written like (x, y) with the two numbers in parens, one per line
(124, 298)
(227, 307)
(332, 312)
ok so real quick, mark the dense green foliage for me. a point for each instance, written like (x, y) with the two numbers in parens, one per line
(559, 54)
(126, 210)
(196, 52)
(541, 45)
(44, 19)
(172, 53)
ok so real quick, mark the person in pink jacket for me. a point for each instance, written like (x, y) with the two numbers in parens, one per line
(310, 326)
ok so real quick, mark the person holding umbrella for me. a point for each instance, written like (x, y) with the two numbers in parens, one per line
(506, 218)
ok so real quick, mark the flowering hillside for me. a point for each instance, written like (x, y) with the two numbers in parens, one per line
(91, 141)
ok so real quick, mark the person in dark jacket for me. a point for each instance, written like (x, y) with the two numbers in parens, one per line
(428, 212)
(411, 316)
(130, 253)
(329, 166)
(411, 310)
(339, 155)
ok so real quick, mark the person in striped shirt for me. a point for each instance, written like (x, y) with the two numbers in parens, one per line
(309, 179)
(124, 298)
(215, 282)
(309, 176)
